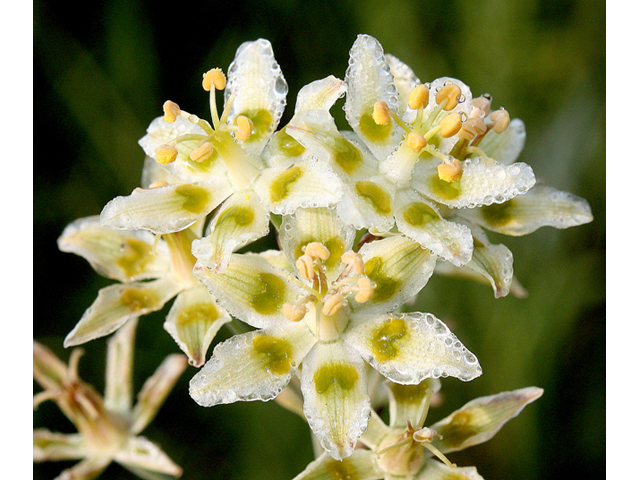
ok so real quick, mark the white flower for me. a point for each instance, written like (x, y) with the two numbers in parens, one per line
(224, 165)
(326, 311)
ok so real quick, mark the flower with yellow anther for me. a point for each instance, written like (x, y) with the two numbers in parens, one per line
(405, 450)
(327, 312)
(223, 165)
(150, 271)
(108, 427)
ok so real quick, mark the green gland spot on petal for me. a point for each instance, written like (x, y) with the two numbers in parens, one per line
(445, 190)
(287, 145)
(410, 394)
(387, 339)
(275, 353)
(418, 214)
(268, 298)
(280, 187)
(205, 313)
(372, 131)
(194, 198)
(347, 156)
(375, 196)
(461, 427)
(262, 121)
(136, 299)
(235, 216)
(136, 254)
(386, 287)
(335, 375)
(498, 214)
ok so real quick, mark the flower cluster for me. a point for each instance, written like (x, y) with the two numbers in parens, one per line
(363, 218)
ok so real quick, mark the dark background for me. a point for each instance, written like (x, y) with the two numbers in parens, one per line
(102, 71)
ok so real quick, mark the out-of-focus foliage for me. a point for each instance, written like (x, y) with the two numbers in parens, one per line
(104, 69)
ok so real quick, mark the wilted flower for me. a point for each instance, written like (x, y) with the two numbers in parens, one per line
(321, 306)
(405, 450)
(109, 427)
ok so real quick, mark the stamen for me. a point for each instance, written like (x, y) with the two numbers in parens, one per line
(483, 104)
(450, 125)
(449, 93)
(245, 127)
(418, 97)
(295, 313)
(305, 266)
(416, 142)
(318, 250)
(73, 364)
(332, 304)
(450, 171)
(425, 434)
(381, 113)
(500, 120)
(471, 128)
(202, 152)
(166, 154)
(354, 261)
(438, 454)
(214, 77)
(365, 291)
(399, 443)
(171, 111)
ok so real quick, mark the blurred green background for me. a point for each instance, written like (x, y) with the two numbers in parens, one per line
(103, 70)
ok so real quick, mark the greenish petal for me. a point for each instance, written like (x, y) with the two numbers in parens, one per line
(336, 402)
(480, 419)
(361, 465)
(120, 255)
(193, 321)
(118, 303)
(407, 348)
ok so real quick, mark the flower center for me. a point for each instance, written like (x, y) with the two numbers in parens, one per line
(432, 124)
(220, 138)
(326, 307)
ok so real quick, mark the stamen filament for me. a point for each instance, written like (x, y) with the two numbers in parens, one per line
(438, 454)
(399, 121)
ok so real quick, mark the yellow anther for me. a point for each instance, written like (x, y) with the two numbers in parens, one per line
(305, 266)
(471, 128)
(450, 125)
(500, 120)
(158, 184)
(332, 304)
(202, 152)
(295, 313)
(354, 260)
(449, 93)
(381, 113)
(483, 104)
(416, 142)
(214, 77)
(450, 171)
(418, 97)
(166, 154)
(365, 291)
(317, 250)
(245, 127)
(171, 111)
(425, 434)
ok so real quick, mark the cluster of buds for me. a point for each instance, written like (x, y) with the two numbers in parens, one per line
(363, 219)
